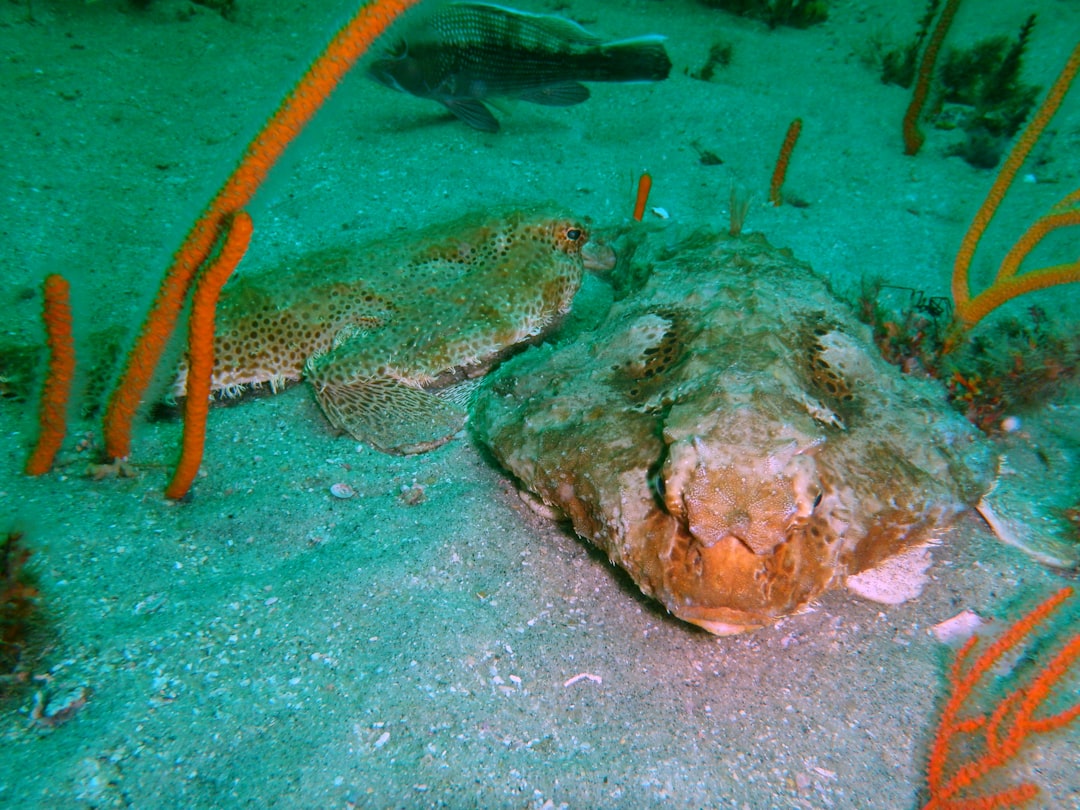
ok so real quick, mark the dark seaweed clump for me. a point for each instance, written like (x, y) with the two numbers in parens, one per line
(898, 64)
(18, 602)
(985, 97)
(18, 366)
(1016, 363)
(719, 57)
(104, 351)
(978, 90)
(794, 13)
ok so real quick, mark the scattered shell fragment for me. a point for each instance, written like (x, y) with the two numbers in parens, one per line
(583, 676)
(151, 604)
(342, 491)
(959, 628)
(412, 494)
(48, 713)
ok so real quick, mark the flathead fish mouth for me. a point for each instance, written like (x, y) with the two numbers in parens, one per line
(598, 256)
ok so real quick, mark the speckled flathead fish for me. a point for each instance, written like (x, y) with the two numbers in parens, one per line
(391, 335)
(730, 435)
(467, 53)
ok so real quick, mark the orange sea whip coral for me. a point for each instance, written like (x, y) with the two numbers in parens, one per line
(780, 171)
(913, 137)
(201, 351)
(644, 186)
(1007, 284)
(52, 415)
(1010, 724)
(299, 106)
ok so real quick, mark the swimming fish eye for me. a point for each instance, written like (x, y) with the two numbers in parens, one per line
(399, 50)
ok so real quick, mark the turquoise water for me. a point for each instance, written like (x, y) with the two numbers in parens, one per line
(418, 645)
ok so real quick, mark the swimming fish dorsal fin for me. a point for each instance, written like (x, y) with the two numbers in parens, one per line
(473, 113)
(550, 24)
(388, 414)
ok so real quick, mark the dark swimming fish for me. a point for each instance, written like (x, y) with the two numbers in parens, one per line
(467, 53)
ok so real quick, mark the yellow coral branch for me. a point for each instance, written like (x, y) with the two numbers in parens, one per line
(1009, 285)
(1039, 229)
(1014, 286)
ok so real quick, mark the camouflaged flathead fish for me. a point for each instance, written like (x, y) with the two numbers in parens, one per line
(389, 336)
(730, 435)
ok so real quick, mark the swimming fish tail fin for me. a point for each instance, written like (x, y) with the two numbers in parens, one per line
(640, 59)
(388, 415)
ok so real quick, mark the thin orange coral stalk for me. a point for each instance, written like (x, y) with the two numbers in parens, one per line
(52, 414)
(201, 352)
(779, 174)
(1008, 727)
(1060, 216)
(913, 137)
(299, 106)
(1008, 285)
(644, 186)
(1015, 286)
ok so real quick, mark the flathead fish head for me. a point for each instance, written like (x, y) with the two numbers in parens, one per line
(562, 234)
(568, 236)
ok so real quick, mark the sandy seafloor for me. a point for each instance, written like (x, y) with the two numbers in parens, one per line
(268, 645)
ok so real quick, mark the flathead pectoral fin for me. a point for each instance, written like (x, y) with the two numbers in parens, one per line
(473, 113)
(389, 415)
(563, 94)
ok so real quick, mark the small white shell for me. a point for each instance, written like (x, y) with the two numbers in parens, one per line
(342, 491)
(959, 628)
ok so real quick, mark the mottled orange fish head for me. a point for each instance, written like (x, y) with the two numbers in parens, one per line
(748, 539)
(739, 495)
(564, 234)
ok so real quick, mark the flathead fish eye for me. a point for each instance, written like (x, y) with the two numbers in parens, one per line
(573, 234)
